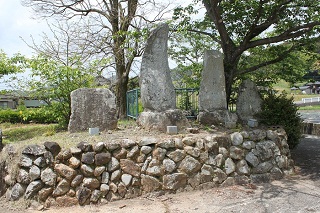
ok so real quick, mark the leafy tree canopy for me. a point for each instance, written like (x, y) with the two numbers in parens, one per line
(11, 65)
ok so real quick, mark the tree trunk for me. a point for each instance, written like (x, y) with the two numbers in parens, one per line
(121, 92)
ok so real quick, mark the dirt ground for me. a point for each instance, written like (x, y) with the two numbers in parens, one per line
(297, 193)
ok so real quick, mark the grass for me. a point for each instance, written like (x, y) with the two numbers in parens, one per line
(315, 107)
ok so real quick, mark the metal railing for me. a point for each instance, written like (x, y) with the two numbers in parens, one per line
(186, 100)
(311, 100)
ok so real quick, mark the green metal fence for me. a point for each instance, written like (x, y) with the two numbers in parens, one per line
(186, 100)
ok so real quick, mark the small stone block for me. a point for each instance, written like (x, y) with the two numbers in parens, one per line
(230, 124)
(252, 123)
(172, 130)
(94, 131)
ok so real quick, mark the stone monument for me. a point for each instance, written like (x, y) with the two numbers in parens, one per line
(92, 108)
(212, 94)
(157, 90)
(249, 101)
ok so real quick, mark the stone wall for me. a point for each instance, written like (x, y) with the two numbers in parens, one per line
(125, 168)
(311, 128)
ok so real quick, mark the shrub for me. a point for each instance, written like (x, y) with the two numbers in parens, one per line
(280, 110)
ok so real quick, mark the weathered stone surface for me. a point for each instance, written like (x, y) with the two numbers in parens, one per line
(17, 191)
(53, 147)
(23, 177)
(76, 150)
(265, 150)
(169, 165)
(189, 165)
(194, 181)
(65, 171)
(189, 141)
(252, 159)
(166, 144)
(105, 177)
(122, 190)
(64, 155)
(206, 174)
(236, 138)
(85, 147)
(257, 135)
(48, 177)
(133, 152)
(146, 149)
(224, 152)
(77, 181)
(92, 108)
(62, 188)
(229, 166)
(127, 143)
(152, 120)
(230, 181)
(128, 166)
(95, 196)
(219, 160)
(35, 150)
(219, 175)
(249, 100)
(83, 194)
(120, 153)
(243, 168)
(115, 176)
(91, 183)
(25, 161)
(155, 171)
(276, 173)
(159, 153)
(174, 181)
(66, 201)
(194, 152)
(223, 141)
(48, 157)
(34, 173)
(74, 162)
(112, 145)
(149, 183)
(177, 155)
(145, 141)
(126, 179)
(241, 180)
(33, 188)
(262, 168)
(113, 164)
(86, 170)
(282, 162)
(98, 147)
(102, 158)
(99, 170)
(88, 157)
(248, 145)
(260, 178)
(104, 189)
(236, 153)
(157, 90)
(44, 193)
(212, 94)
(40, 162)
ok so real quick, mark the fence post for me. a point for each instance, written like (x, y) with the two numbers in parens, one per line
(1, 145)
(137, 103)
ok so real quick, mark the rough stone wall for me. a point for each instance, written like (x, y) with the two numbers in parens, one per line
(125, 168)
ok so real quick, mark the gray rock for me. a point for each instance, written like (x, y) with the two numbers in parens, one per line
(177, 155)
(154, 171)
(224, 152)
(126, 179)
(95, 196)
(99, 170)
(83, 194)
(149, 183)
(92, 108)
(248, 145)
(74, 162)
(242, 180)
(17, 191)
(169, 165)
(243, 168)
(112, 145)
(157, 90)
(282, 162)
(102, 158)
(105, 177)
(236, 138)
(77, 181)
(44, 193)
(206, 174)
(65, 171)
(178, 143)
(257, 135)
(236, 153)
(23, 177)
(33, 188)
(120, 153)
(174, 181)
(219, 160)
(194, 181)
(52, 147)
(115, 176)
(34, 173)
(229, 166)
(48, 177)
(113, 165)
(122, 189)
(64, 155)
(85, 147)
(146, 149)
(48, 157)
(40, 162)
(87, 170)
(260, 178)
(219, 175)
(88, 158)
(230, 181)
(104, 189)
(133, 152)
(252, 159)
(62, 188)
(75, 150)
(189, 165)
(189, 141)
(98, 147)
(35, 150)
(262, 168)
(159, 153)
(25, 161)
(276, 173)
(194, 152)
(130, 167)
(166, 143)
(127, 143)
(91, 183)
(265, 150)
(272, 135)
(245, 134)
(145, 141)
(249, 100)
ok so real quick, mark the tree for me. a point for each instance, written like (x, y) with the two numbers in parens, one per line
(120, 27)
(10, 65)
(241, 28)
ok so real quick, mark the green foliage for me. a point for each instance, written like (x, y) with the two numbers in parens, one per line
(43, 115)
(11, 65)
(279, 110)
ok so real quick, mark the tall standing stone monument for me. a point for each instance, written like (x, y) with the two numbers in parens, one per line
(157, 90)
(212, 94)
(92, 108)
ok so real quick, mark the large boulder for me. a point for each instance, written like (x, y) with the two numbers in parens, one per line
(92, 108)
